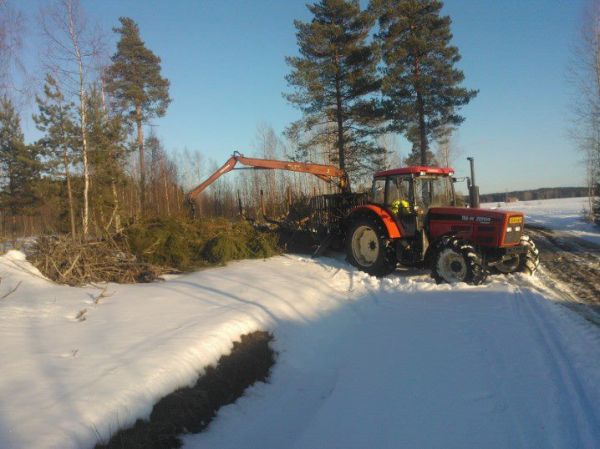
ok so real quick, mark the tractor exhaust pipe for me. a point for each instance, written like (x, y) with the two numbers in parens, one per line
(473, 187)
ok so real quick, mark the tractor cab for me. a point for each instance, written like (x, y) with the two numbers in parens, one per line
(409, 192)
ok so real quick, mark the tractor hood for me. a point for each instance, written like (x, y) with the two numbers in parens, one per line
(484, 227)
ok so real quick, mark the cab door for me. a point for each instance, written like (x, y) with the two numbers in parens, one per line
(399, 201)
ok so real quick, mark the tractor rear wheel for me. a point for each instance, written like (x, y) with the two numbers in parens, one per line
(368, 247)
(527, 262)
(456, 260)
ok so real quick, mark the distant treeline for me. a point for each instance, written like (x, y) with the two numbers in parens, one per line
(545, 193)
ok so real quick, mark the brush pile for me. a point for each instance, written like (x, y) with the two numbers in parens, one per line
(74, 262)
(146, 250)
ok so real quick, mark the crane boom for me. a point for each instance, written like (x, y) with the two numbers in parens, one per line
(327, 173)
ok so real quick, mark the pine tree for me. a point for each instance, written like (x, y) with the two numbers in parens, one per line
(19, 168)
(415, 157)
(59, 147)
(334, 79)
(134, 80)
(421, 85)
(108, 157)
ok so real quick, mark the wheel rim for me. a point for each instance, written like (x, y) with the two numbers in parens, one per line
(365, 246)
(452, 266)
(509, 265)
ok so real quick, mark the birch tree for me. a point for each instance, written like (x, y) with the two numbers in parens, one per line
(72, 50)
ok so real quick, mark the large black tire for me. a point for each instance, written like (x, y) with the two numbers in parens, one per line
(522, 263)
(456, 260)
(368, 247)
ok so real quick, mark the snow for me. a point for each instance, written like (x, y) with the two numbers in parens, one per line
(362, 362)
(425, 366)
(563, 214)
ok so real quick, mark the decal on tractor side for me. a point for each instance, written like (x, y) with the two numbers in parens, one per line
(476, 219)
(467, 218)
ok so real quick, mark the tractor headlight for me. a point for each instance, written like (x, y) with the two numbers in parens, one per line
(517, 228)
(509, 229)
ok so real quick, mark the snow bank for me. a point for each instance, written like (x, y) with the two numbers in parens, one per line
(562, 214)
(66, 380)
(397, 362)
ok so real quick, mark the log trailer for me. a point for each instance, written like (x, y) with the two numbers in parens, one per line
(410, 217)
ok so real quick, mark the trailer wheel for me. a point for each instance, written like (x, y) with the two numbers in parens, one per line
(368, 247)
(456, 260)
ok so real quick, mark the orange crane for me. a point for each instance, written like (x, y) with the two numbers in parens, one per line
(328, 173)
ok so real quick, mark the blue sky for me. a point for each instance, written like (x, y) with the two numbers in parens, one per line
(225, 60)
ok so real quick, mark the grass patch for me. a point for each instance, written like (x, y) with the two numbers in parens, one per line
(190, 409)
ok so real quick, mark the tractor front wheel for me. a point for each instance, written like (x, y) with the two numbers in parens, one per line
(456, 260)
(527, 262)
(368, 247)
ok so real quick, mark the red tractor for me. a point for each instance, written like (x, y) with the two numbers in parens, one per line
(412, 217)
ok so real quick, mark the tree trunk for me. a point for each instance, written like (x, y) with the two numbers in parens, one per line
(340, 124)
(68, 178)
(86, 169)
(116, 214)
(83, 117)
(69, 193)
(166, 187)
(13, 206)
(422, 131)
(140, 139)
(423, 144)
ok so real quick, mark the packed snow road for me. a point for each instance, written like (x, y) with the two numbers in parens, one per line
(422, 366)
(363, 362)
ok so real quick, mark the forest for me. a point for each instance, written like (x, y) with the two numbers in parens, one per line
(360, 77)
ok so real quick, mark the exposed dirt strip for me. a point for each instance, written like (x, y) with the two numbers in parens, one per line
(190, 409)
(571, 261)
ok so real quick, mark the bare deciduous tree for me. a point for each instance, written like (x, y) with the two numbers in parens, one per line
(447, 149)
(12, 27)
(584, 73)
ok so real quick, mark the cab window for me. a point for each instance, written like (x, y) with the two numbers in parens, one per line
(398, 189)
(378, 193)
(433, 191)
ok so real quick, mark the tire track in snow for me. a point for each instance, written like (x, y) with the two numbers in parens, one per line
(573, 397)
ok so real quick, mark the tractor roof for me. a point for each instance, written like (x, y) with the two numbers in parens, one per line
(415, 170)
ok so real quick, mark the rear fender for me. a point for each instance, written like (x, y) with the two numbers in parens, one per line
(394, 231)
